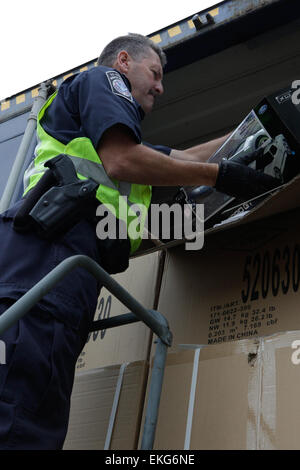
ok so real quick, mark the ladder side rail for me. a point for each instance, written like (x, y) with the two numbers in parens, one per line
(155, 389)
(112, 322)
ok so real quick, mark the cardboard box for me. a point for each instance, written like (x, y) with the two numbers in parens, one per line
(129, 342)
(244, 283)
(106, 407)
(240, 395)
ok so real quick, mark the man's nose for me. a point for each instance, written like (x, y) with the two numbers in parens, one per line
(159, 88)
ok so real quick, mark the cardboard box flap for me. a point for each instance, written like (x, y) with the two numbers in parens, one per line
(284, 200)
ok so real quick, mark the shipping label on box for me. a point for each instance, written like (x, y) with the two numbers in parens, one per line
(231, 291)
(127, 342)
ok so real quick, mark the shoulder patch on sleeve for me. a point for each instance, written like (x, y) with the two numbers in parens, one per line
(118, 86)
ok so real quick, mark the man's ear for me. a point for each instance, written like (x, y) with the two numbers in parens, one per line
(122, 61)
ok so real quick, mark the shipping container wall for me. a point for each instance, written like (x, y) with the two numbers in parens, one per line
(11, 134)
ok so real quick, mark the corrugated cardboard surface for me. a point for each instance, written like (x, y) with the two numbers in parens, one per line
(242, 284)
(216, 417)
(129, 342)
(246, 396)
(280, 405)
(92, 403)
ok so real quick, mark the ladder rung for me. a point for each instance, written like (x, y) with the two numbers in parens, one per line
(118, 320)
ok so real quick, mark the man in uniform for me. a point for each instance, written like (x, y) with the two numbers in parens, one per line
(95, 119)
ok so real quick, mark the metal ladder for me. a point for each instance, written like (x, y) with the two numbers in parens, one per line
(153, 319)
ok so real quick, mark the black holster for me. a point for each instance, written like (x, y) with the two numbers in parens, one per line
(57, 202)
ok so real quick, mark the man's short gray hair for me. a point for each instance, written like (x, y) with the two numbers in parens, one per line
(136, 45)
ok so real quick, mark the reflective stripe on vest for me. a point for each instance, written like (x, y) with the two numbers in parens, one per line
(131, 207)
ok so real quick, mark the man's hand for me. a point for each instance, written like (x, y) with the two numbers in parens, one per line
(243, 182)
(243, 159)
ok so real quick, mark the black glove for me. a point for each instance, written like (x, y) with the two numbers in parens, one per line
(243, 182)
(246, 159)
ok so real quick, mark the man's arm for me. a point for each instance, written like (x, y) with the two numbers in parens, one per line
(126, 160)
(201, 152)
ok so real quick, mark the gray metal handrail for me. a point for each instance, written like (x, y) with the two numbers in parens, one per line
(153, 319)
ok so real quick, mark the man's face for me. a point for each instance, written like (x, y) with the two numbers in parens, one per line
(145, 77)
